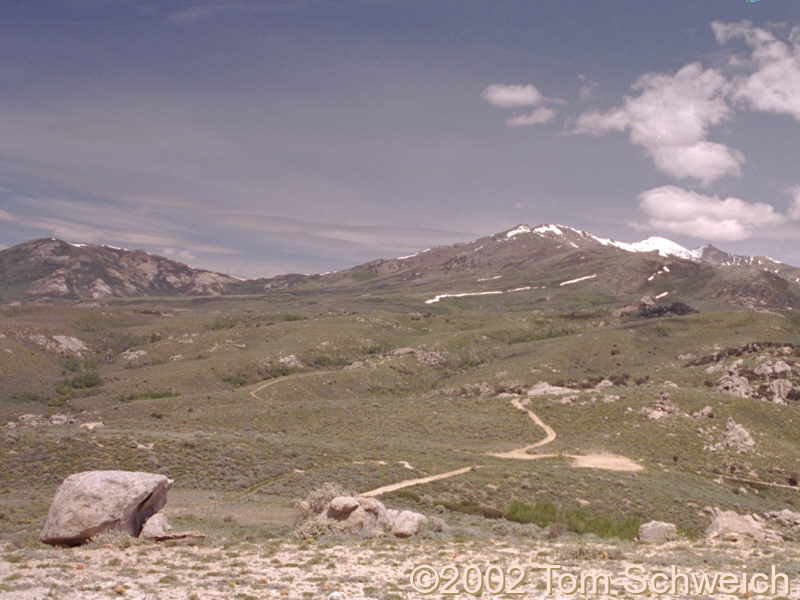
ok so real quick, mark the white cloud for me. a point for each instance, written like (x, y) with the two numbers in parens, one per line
(543, 114)
(774, 83)
(521, 96)
(512, 96)
(676, 210)
(670, 118)
(794, 204)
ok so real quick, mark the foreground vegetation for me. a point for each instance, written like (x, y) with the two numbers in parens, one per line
(249, 403)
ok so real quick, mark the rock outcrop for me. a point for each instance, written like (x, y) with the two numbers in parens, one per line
(663, 407)
(737, 437)
(91, 502)
(780, 389)
(729, 525)
(735, 385)
(370, 518)
(657, 532)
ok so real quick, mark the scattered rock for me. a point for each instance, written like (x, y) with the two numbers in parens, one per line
(705, 412)
(61, 419)
(786, 519)
(729, 525)
(290, 360)
(401, 351)
(133, 354)
(543, 388)
(91, 502)
(92, 426)
(735, 385)
(663, 407)
(737, 437)
(657, 532)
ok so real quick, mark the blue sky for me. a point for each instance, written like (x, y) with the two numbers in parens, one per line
(259, 138)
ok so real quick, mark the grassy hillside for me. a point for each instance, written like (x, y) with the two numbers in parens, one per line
(249, 402)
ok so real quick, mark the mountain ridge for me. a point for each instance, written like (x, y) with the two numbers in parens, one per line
(523, 257)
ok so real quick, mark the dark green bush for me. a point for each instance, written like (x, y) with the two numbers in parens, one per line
(576, 520)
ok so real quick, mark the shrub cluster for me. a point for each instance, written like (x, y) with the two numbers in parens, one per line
(576, 520)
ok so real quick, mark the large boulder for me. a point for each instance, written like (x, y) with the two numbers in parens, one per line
(657, 532)
(95, 501)
(729, 525)
(408, 523)
(363, 516)
(369, 517)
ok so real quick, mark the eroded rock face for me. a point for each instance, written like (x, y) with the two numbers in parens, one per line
(91, 502)
(657, 532)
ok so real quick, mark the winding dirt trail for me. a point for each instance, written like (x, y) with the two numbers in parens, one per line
(409, 482)
(522, 453)
(254, 393)
(611, 462)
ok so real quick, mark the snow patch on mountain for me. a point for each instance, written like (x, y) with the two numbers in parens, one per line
(438, 297)
(584, 278)
(663, 246)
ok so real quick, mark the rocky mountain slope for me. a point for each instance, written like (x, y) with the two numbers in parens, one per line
(51, 268)
(556, 261)
(544, 262)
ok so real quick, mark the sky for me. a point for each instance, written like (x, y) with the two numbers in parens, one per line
(265, 137)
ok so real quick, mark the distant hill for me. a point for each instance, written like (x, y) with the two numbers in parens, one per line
(51, 268)
(541, 263)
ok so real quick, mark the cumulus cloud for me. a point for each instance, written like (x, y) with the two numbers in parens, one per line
(512, 96)
(676, 210)
(670, 117)
(773, 83)
(543, 114)
(794, 204)
(520, 96)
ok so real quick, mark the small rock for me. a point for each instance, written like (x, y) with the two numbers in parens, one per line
(156, 528)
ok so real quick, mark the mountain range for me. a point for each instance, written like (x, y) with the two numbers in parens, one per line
(538, 263)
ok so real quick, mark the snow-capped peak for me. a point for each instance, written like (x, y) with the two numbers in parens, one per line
(663, 246)
(517, 230)
(549, 228)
